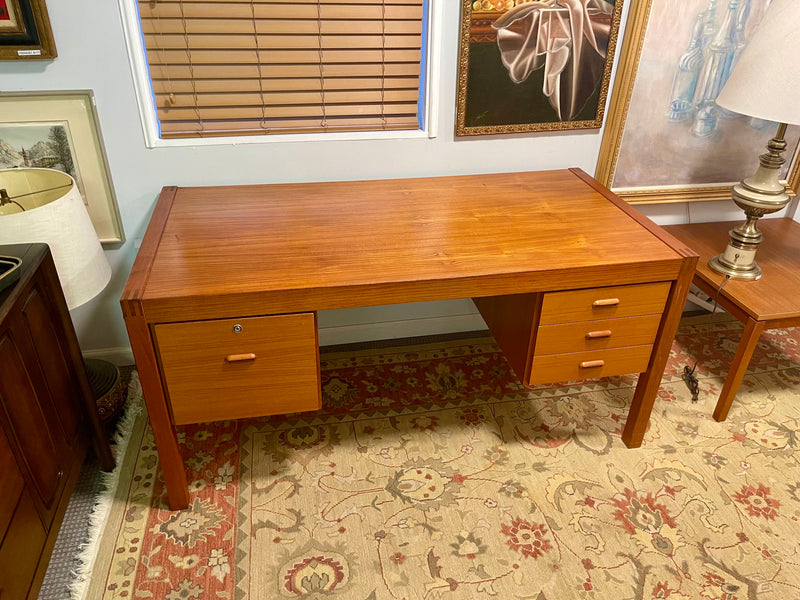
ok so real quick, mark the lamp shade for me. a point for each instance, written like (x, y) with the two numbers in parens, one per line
(54, 214)
(765, 81)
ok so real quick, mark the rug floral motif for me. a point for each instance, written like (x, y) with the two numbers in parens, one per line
(431, 473)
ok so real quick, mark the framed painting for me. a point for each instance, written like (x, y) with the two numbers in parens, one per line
(25, 31)
(534, 65)
(665, 139)
(60, 130)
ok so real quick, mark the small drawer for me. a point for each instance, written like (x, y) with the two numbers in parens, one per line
(238, 368)
(604, 303)
(577, 366)
(596, 335)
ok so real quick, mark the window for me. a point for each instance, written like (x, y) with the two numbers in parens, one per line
(212, 68)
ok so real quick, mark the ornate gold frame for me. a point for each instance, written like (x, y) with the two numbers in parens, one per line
(482, 28)
(34, 23)
(619, 105)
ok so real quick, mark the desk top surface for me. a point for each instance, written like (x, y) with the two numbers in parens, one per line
(331, 245)
(777, 294)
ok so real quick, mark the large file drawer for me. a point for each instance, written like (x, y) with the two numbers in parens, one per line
(237, 368)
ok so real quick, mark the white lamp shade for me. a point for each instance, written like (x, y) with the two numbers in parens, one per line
(765, 81)
(57, 217)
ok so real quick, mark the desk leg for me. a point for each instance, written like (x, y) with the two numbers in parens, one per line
(741, 360)
(645, 395)
(169, 455)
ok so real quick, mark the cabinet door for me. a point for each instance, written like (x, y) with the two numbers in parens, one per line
(22, 534)
(60, 380)
(12, 484)
(28, 426)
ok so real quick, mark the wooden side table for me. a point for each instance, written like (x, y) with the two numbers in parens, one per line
(772, 302)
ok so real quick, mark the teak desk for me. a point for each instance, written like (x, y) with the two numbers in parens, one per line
(221, 301)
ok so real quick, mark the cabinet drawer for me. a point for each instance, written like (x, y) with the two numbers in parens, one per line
(596, 335)
(577, 366)
(604, 303)
(238, 368)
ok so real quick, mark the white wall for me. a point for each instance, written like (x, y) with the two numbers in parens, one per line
(92, 55)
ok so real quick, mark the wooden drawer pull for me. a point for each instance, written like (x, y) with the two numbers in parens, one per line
(603, 333)
(240, 357)
(606, 302)
(587, 364)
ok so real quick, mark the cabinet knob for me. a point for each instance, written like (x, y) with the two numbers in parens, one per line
(237, 328)
(606, 302)
(587, 364)
(240, 357)
(603, 333)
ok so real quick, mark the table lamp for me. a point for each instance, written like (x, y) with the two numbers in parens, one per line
(45, 205)
(765, 84)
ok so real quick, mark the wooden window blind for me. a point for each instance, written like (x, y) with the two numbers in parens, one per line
(254, 67)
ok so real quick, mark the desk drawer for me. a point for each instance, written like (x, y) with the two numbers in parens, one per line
(604, 303)
(596, 335)
(577, 366)
(212, 372)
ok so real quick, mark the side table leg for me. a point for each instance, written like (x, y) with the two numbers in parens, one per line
(741, 360)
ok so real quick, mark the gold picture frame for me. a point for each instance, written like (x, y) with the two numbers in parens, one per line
(28, 123)
(650, 152)
(25, 31)
(496, 96)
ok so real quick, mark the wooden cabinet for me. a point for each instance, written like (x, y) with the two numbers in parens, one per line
(47, 419)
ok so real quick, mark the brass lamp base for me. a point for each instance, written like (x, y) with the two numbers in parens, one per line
(739, 259)
(749, 272)
(759, 195)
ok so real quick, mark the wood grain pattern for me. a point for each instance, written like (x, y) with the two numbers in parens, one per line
(512, 320)
(593, 304)
(599, 363)
(22, 547)
(777, 294)
(769, 303)
(137, 279)
(649, 380)
(47, 418)
(166, 440)
(333, 245)
(248, 251)
(275, 368)
(744, 352)
(597, 335)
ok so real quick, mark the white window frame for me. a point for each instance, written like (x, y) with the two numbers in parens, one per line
(147, 110)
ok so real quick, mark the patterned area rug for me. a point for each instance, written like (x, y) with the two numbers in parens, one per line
(432, 473)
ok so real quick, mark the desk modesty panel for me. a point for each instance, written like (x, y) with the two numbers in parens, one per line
(524, 245)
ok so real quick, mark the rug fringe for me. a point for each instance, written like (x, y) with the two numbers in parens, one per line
(99, 515)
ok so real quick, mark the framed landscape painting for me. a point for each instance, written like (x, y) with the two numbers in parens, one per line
(25, 31)
(665, 139)
(59, 130)
(540, 65)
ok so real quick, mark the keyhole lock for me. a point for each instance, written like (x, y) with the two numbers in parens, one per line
(237, 328)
